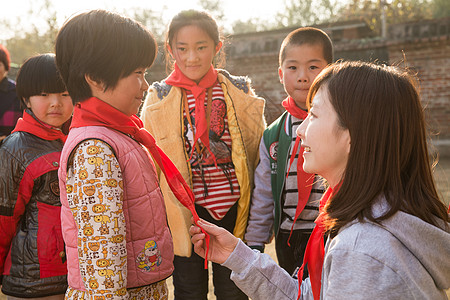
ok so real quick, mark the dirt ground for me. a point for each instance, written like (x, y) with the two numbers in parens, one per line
(442, 177)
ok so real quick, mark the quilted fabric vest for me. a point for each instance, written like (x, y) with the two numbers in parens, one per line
(143, 207)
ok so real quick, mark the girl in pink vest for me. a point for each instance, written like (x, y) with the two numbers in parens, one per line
(113, 215)
(213, 123)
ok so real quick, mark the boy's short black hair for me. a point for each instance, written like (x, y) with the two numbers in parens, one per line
(38, 75)
(104, 45)
(308, 36)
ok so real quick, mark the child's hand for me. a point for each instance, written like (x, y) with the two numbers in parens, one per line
(221, 244)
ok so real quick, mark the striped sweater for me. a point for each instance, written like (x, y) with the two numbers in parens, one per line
(215, 188)
(289, 194)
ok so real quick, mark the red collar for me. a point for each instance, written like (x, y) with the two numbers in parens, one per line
(293, 109)
(177, 78)
(31, 125)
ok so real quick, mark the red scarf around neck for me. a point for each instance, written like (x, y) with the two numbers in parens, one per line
(315, 252)
(304, 180)
(177, 78)
(293, 109)
(95, 112)
(29, 124)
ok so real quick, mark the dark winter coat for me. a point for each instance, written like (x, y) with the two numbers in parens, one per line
(32, 256)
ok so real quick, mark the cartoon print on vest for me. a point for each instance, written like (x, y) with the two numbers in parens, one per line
(94, 246)
(74, 200)
(93, 284)
(88, 230)
(95, 160)
(109, 283)
(98, 172)
(80, 159)
(109, 195)
(107, 273)
(110, 183)
(103, 220)
(85, 216)
(83, 174)
(117, 238)
(91, 150)
(121, 292)
(100, 208)
(90, 270)
(149, 258)
(89, 190)
(103, 262)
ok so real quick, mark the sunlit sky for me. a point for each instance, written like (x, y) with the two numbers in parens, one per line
(233, 9)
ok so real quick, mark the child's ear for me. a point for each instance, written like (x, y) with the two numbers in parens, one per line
(280, 74)
(95, 84)
(27, 103)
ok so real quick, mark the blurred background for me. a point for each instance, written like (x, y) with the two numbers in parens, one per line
(410, 33)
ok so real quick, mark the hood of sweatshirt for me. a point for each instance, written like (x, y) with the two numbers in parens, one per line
(428, 243)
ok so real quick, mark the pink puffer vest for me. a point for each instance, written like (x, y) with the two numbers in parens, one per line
(143, 207)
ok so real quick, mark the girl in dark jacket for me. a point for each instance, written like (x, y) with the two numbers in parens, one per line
(32, 256)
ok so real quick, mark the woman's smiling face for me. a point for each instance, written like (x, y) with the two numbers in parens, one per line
(326, 143)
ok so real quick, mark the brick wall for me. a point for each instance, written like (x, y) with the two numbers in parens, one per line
(426, 46)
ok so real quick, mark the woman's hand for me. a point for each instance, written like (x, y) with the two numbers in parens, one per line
(221, 244)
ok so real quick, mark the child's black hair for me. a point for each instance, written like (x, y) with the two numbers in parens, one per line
(104, 45)
(308, 36)
(38, 75)
(198, 18)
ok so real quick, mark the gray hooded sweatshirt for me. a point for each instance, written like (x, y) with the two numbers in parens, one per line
(403, 258)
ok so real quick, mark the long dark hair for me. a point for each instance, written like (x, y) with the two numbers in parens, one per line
(381, 108)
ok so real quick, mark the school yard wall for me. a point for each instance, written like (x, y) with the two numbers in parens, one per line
(422, 46)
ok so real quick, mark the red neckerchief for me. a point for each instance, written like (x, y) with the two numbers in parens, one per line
(29, 124)
(95, 112)
(177, 78)
(304, 180)
(315, 252)
(293, 109)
